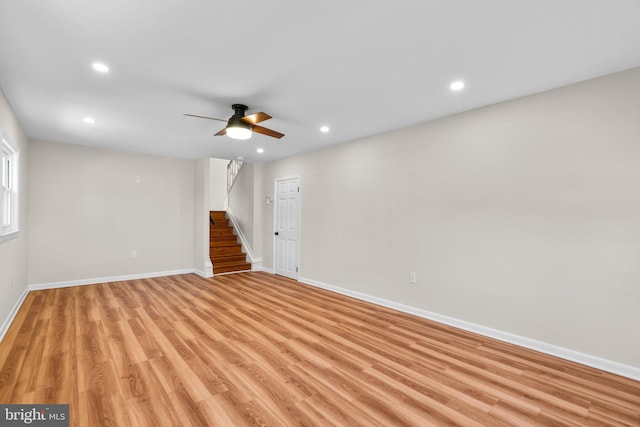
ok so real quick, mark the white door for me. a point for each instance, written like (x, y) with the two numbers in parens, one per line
(286, 228)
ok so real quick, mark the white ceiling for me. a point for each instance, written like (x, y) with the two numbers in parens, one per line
(360, 67)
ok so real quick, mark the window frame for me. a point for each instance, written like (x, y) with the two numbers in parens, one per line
(9, 189)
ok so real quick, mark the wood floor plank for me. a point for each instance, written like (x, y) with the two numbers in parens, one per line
(257, 349)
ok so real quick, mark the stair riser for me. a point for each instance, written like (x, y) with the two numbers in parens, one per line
(225, 250)
(217, 256)
(229, 269)
(221, 259)
(220, 223)
(221, 231)
(222, 240)
(216, 215)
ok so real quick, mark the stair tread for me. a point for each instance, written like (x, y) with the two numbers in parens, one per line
(229, 258)
(226, 257)
(224, 242)
(230, 254)
(225, 250)
(231, 270)
(233, 264)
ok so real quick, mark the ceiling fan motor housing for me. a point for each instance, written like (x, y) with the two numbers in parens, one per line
(240, 110)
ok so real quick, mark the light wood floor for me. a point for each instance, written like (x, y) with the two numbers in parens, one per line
(257, 349)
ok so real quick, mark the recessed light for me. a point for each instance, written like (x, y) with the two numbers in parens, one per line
(260, 150)
(457, 85)
(89, 120)
(100, 67)
(324, 129)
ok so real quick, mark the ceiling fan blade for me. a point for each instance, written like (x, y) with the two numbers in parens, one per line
(256, 118)
(205, 117)
(268, 132)
(223, 131)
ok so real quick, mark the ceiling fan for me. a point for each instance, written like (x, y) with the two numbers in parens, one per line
(241, 126)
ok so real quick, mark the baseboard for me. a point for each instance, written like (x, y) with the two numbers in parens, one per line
(203, 274)
(208, 270)
(550, 349)
(97, 280)
(268, 270)
(12, 314)
(243, 240)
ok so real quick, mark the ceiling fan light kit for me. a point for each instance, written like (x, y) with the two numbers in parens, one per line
(241, 126)
(237, 129)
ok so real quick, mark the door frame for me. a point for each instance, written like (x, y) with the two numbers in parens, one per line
(275, 220)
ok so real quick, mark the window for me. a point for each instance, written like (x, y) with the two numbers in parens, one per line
(9, 197)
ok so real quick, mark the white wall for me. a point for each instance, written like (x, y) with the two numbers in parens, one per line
(13, 253)
(201, 218)
(259, 210)
(241, 201)
(522, 216)
(246, 205)
(87, 213)
(218, 184)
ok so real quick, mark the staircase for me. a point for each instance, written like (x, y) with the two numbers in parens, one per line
(224, 250)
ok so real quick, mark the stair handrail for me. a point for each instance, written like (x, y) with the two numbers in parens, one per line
(233, 169)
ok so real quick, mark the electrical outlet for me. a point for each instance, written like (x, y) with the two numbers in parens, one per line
(138, 179)
(134, 253)
(412, 277)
